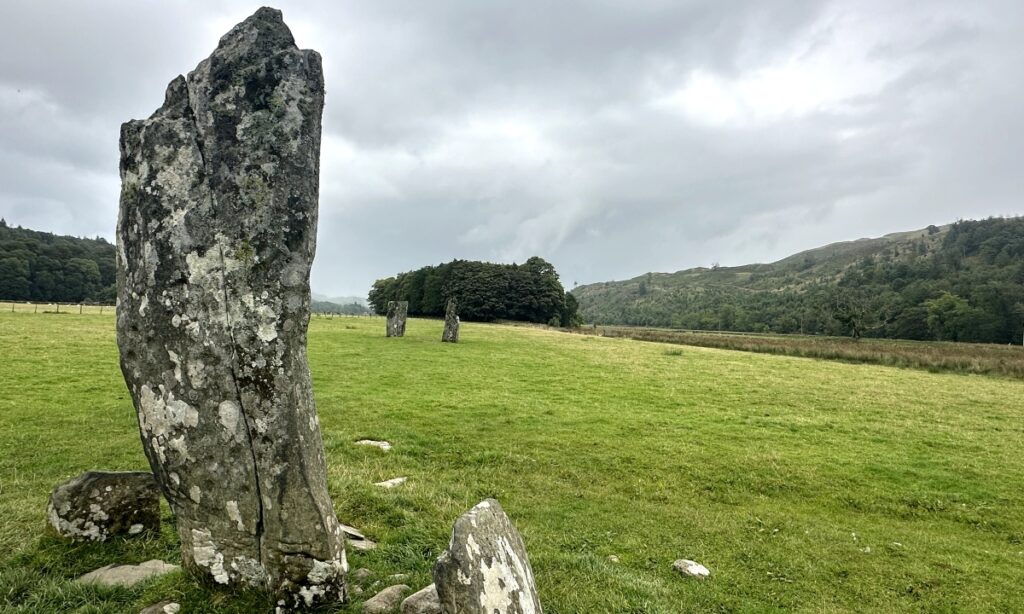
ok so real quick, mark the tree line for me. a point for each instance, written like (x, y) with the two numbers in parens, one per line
(528, 292)
(43, 267)
(962, 283)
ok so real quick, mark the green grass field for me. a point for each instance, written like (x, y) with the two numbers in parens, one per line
(803, 485)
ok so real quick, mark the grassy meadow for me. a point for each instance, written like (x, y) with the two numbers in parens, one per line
(804, 485)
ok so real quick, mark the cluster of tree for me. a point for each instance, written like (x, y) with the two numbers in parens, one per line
(963, 282)
(347, 309)
(485, 292)
(39, 266)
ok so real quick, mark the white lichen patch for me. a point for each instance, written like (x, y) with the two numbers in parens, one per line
(196, 373)
(234, 515)
(135, 529)
(205, 554)
(228, 411)
(195, 494)
(162, 414)
(267, 327)
(177, 365)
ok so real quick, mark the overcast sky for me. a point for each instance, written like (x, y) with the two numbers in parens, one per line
(611, 138)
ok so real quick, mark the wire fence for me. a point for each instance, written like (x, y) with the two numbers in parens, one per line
(45, 307)
(104, 309)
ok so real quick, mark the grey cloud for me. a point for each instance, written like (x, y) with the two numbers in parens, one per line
(501, 131)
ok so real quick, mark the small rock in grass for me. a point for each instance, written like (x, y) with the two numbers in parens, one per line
(612, 558)
(101, 504)
(351, 533)
(164, 607)
(383, 445)
(398, 577)
(392, 482)
(360, 574)
(692, 569)
(363, 544)
(423, 601)
(127, 575)
(357, 590)
(385, 601)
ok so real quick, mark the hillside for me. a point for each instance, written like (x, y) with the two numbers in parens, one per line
(961, 282)
(40, 266)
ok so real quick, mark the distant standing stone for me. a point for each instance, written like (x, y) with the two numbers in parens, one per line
(451, 322)
(127, 575)
(101, 504)
(423, 601)
(398, 311)
(385, 601)
(485, 568)
(691, 569)
(215, 240)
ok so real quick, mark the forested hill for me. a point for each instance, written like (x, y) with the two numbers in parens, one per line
(962, 282)
(40, 266)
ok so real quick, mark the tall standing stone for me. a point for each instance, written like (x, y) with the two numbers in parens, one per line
(451, 322)
(216, 235)
(398, 311)
(485, 568)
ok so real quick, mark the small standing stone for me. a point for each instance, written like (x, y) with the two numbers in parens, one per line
(485, 568)
(127, 575)
(423, 601)
(397, 313)
(451, 323)
(101, 504)
(385, 601)
(692, 569)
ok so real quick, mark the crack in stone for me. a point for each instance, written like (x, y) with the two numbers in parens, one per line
(207, 172)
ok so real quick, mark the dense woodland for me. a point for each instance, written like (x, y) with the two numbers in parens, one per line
(40, 266)
(963, 282)
(528, 292)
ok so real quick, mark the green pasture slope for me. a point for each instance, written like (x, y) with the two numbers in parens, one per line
(803, 485)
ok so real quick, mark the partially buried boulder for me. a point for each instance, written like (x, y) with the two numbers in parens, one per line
(98, 505)
(127, 575)
(423, 601)
(485, 568)
(215, 239)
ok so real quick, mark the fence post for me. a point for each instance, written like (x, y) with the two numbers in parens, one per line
(58, 307)
(79, 309)
(12, 307)
(36, 310)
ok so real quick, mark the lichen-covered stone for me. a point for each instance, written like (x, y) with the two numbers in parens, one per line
(216, 235)
(398, 311)
(485, 568)
(423, 601)
(385, 601)
(128, 575)
(451, 322)
(97, 505)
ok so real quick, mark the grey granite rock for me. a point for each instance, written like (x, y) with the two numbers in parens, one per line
(387, 600)
(127, 575)
(423, 601)
(164, 607)
(485, 568)
(398, 311)
(451, 322)
(97, 505)
(216, 235)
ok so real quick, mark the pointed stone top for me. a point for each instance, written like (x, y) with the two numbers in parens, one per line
(264, 28)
